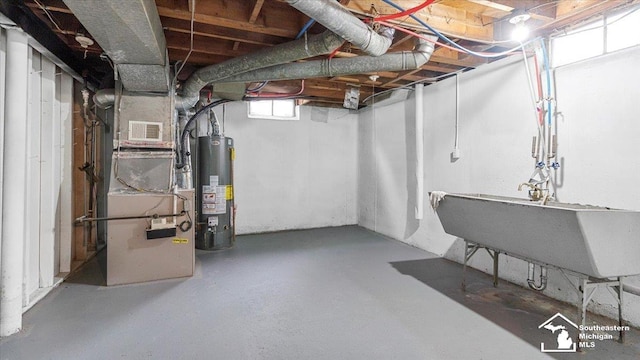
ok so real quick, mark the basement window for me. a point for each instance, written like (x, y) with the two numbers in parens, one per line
(273, 109)
(579, 44)
(613, 32)
(623, 30)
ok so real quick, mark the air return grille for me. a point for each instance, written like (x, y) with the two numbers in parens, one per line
(144, 130)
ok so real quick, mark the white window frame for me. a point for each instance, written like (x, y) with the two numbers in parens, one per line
(603, 42)
(296, 110)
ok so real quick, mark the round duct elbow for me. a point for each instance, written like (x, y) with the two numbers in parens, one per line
(341, 21)
(104, 98)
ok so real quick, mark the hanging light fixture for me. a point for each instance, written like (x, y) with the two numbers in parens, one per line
(518, 19)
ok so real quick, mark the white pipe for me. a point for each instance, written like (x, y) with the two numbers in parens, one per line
(419, 151)
(455, 146)
(14, 185)
(631, 289)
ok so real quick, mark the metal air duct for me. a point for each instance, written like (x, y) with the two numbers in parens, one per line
(311, 46)
(329, 13)
(104, 98)
(406, 60)
(131, 34)
(338, 19)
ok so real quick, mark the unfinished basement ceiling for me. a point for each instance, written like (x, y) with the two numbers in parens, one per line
(224, 29)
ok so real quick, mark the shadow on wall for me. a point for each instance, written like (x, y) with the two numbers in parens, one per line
(411, 224)
(515, 309)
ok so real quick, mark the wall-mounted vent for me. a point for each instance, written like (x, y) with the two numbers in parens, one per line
(144, 130)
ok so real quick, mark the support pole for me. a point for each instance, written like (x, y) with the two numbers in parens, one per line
(495, 268)
(419, 133)
(620, 307)
(469, 250)
(464, 266)
(13, 181)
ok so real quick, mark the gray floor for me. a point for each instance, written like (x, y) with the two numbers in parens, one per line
(335, 293)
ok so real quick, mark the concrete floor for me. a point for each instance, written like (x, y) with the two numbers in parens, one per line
(335, 293)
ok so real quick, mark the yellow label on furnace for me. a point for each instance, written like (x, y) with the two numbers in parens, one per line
(233, 153)
(229, 192)
(180, 241)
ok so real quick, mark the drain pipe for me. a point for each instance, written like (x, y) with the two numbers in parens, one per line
(419, 132)
(338, 19)
(531, 277)
(631, 289)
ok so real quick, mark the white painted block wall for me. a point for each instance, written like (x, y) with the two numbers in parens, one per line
(293, 174)
(598, 132)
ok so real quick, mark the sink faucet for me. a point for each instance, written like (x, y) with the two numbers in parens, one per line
(533, 187)
(536, 193)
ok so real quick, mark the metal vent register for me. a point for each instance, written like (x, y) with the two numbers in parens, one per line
(146, 131)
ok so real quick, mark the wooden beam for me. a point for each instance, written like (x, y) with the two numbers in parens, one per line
(197, 58)
(452, 20)
(402, 77)
(231, 23)
(493, 5)
(58, 9)
(208, 45)
(569, 12)
(401, 41)
(539, 10)
(439, 68)
(256, 11)
(218, 32)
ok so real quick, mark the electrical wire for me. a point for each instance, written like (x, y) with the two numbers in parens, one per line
(46, 12)
(453, 43)
(302, 32)
(278, 95)
(259, 87)
(604, 23)
(539, 6)
(334, 52)
(306, 27)
(411, 11)
(410, 85)
(481, 54)
(184, 62)
(185, 132)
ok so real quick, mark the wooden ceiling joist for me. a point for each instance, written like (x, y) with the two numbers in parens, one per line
(455, 21)
(256, 11)
(217, 32)
(224, 29)
(233, 14)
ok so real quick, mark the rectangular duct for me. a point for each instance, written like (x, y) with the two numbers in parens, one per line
(144, 170)
(130, 32)
(144, 121)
